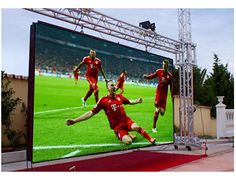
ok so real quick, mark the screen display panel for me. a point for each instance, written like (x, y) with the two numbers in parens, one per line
(60, 89)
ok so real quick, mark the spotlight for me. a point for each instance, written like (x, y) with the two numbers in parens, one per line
(153, 27)
(147, 25)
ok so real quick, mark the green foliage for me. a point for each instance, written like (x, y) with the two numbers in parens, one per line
(8, 105)
(13, 136)
(198, 80)
(219, 83)
(218, 76)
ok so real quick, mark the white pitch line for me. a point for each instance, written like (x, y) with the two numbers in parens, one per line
(89, 145)
(74, 146)
(71, 154)
(64, 109)
(82, 146)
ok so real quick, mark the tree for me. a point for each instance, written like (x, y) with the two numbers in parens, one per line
(219, 83)
(8, 105)
(198, 80)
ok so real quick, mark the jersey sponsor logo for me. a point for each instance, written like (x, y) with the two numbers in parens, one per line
(91, 66)
(114, 107)
(163, 79)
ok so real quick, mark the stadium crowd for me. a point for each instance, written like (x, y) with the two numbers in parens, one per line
(59, 51)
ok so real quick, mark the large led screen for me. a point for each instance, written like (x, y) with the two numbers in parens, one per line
(57, 95)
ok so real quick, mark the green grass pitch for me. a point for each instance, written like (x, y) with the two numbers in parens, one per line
(57, 99)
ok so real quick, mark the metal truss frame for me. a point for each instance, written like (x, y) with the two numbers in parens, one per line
(96, 21)
(185, 62)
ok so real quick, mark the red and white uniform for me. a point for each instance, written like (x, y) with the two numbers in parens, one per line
(76, 75)
(113, 107)
(92, 67)
(164, 79)
(120, 81)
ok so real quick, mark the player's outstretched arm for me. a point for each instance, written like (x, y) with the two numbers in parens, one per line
(137, 101)
(151, 76)
(79, 66)
(103, 74)
(85, 116)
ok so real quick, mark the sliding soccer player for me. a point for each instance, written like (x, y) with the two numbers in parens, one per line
(112, 104)
(164, 79)
(93, 64)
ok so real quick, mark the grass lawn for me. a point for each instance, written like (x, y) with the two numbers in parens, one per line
(57, 99)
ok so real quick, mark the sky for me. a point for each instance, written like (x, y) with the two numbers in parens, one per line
(212, 31)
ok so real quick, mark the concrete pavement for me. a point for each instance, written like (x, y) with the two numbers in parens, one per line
(220, 157)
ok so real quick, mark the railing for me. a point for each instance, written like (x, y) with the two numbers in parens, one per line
(225, 120)
(229, 123)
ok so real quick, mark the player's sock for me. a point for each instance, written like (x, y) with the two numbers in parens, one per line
(144, 134)
(96, 95)
(156, 114)
(155, 119)
(83, 102)
(89, 93)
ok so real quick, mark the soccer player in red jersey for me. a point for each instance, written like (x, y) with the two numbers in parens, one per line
(120, 81)
(112, 104)
(164, 78)
(76, 75)
(93, 64)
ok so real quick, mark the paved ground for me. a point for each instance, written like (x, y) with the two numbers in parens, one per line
(220, 157)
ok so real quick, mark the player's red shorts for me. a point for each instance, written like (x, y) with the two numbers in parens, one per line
(92, 82)
(160, 101)
(120, 85)
(123, 129)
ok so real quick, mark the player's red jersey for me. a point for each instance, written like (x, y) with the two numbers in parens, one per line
(113, 107)
(92, 66)
(163, 79)
(120, 81)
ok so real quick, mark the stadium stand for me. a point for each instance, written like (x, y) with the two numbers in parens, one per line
(59, 51)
